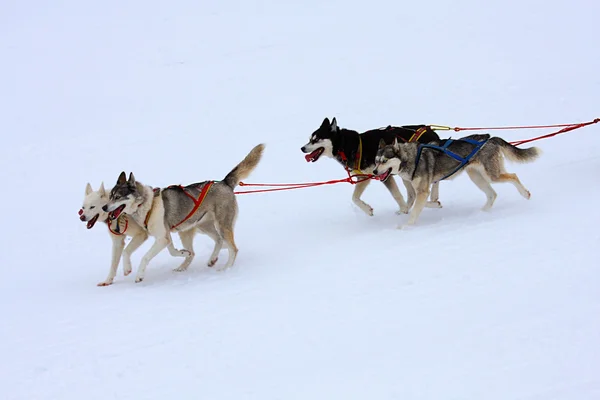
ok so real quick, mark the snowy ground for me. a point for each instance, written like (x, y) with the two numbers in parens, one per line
(323, 302)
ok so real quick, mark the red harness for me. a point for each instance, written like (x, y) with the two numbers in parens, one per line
(117, 231)
(197, 202)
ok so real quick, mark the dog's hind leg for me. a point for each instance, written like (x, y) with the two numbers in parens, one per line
(359, 188)
(210, 231)
(136, 242)
(117, 250)
(225, 230)
(187, 240)
(484, 184)
(159, 245)
(514, 179)
(391, 185)
(434, 201)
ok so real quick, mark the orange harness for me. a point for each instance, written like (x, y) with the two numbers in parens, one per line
(118, 230)
(197, 202)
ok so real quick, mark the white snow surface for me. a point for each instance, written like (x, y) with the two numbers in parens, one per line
(323, 301)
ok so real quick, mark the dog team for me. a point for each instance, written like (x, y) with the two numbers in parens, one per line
(415, 153)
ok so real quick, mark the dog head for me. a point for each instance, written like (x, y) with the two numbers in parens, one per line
(321, 141)
(92, 211)
(123, 197)
(387, 160)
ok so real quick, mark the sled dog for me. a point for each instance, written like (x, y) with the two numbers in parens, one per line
(209, 206)
(118, 229)
(480, 156)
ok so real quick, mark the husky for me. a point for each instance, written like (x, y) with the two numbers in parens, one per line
(356, 151)
(482, 157)
(118, 229)
(209, 207)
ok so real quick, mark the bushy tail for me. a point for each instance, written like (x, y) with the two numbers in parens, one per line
(516, 154)
(243, 169)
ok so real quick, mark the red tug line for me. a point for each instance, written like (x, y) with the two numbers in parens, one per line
(361, 177)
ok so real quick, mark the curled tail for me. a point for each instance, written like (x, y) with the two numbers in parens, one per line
(514, 153)
(244, 168)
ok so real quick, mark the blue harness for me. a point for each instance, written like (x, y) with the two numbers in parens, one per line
(444, 149)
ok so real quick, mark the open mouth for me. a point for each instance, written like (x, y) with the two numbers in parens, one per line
(385, 175)
(92, 221)
(314, 156)
(115, 214)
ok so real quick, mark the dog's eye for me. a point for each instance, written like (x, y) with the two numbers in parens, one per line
(92, 207)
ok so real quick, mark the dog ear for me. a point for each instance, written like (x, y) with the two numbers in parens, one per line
(102, 190)
(88, 189)
(396, 145)
(325, 123)
(122, 178)
(381, 143)
(334, 126)
(131, 179)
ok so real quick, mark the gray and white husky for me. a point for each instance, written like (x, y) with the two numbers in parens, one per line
(210, 207)
(424, 166)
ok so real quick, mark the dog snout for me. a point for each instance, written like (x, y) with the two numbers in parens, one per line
(82, 218)
(375, 172)
(105, 208)
(303, 148)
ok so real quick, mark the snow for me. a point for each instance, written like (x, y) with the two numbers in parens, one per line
(323, 302)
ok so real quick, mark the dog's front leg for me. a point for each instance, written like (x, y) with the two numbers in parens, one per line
(410, 193)
(117, 250)
(159, 245)
(422, 189)
(434, 201)
(390, 184)
(136, 241)
(359, 188)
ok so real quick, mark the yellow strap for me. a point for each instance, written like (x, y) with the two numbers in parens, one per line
(440, 128)
(359, 158)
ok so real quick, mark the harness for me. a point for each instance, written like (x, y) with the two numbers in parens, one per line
(358, 159)
(197, 201)
(444, 149)
(117, 230)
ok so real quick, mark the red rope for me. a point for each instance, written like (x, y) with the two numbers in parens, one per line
(349, 179)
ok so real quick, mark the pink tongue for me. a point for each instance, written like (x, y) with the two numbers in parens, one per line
(311, 156)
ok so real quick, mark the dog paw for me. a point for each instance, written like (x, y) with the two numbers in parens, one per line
(402, 210)
(105, 283)
(139, 279)
(212, 261)
(180, 269)
(369, 211)
(433, 204)
(126, 270)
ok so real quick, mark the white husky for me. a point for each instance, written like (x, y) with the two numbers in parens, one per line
(118, 230)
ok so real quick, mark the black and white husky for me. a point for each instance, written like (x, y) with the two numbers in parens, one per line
(356, 152)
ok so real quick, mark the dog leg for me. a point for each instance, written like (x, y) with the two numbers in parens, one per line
(209, 230)
(391, 185)
(359, 188)
(159, 245)
(420, 201)
(226, 233)
(136, 242)
(117, 250)
(175, 252)
(410, 193)
(434, 201)
(187, 240)
(484, 185)
(514, 179)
